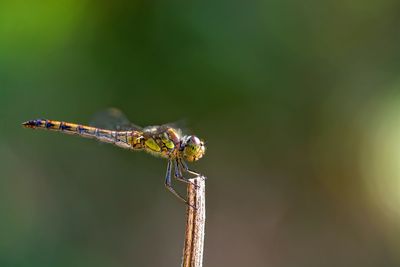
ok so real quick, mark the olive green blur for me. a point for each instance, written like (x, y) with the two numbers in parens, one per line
(298, 103)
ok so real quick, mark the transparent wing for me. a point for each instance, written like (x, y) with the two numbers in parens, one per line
(113, 119)
(178, 125)
(181, 125)
(159, 129)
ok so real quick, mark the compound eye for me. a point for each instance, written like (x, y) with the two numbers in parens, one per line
(195, 140)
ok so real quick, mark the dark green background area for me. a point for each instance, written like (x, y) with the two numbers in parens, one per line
(298, 101)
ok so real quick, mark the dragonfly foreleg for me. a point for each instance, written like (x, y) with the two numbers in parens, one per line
(184, 166)
(168, 184)
(179, 176)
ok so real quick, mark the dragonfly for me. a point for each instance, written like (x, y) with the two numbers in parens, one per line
(165, 141)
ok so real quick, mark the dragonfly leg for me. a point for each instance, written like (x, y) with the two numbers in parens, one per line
(185, 167)
(168, 184)
(179, 176)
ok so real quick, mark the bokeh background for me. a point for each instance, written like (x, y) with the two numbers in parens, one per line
(298, 101)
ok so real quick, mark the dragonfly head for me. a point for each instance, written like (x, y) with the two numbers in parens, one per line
(192, 148)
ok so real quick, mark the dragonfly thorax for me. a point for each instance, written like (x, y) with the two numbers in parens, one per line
(192, 148)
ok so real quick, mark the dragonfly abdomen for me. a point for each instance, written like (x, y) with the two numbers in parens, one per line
(125, 139)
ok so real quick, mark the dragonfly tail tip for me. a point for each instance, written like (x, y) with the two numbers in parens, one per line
(29, 124)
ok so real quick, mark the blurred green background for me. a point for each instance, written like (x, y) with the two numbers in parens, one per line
(298, 101)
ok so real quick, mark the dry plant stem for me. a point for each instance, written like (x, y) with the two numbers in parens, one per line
(195, 222)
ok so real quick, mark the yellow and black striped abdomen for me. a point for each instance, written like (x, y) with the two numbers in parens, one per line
(125, 139)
